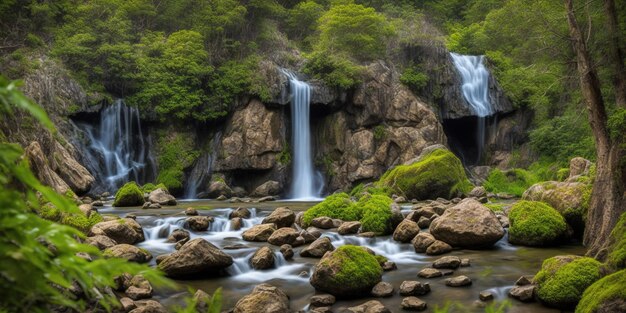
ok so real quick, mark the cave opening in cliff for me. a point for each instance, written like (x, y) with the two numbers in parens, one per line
(467, 137)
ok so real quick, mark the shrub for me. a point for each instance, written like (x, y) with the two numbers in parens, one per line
(414, 78)
(563, 279)
(129, 195)
(513, 182)
(617, 245)
(603, 292)
(175, 153)
(150, 187)
(535, 224)
(336, 70)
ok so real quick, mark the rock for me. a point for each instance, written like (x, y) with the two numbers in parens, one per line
(322, 300)
(100, 241)
(239, 192)
(260, 233)
(236, 246)
(236, 223)
(191, 212)
(450, 262)
(308, 237)
(478, 192)
(124, 230)
(129, 195)
(429, 273)
(468, 224)
(324, 309)
(314, 231)
(465, 262)
(240, 212)
(413, 288)
(268, 188)
(128, 252)
(318, 248)
(371, 306)
(262, 259)
(196, 257)
(438, 247)
(423, 222)
(389, 266)
(202, 300)
(282, 217)
(198, 223)
(178, 235)
(569, 198)
(285, 235)
(367, 234)
(406, 231)
(524, 280)
(458, 281)
(422, 241)
(97, 203)
(535, 223)
(223, 198)
(523, 293)
(287, 251)
(382, 290)
(139, 288)
(264, 298)
(219, 188)
(413, 304)
(127, 304)
(485, 295)
(41, 167)
(299, 217)
(162, 197)
(323, 222)
(579, 166)
(150, 306)
(87, 209)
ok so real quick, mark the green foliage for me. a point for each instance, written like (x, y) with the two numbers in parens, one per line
(495, 207)
(336, 205)
(379, 132)
(334, 69)
(610, 288)
(284, 157)
(150, 187)
(302, 18)
(175, 153)
(617, 245)
(437, 174)
(617, 124)
(235, 78)
(357, 268)
(376, 213)
(129, 195)
(414, 78)
(80, 221)
(192, 305)
(561, 283)
(535, 224)
(513, 182)
(563, 138)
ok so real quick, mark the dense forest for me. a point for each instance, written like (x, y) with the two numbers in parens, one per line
(140, 128)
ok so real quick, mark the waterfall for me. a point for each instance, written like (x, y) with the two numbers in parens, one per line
(306, 185)
(202, 169)
(475, 88)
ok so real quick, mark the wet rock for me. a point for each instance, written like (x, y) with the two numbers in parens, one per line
(240, 212)
(422, 241)
(299, 216)
(287, 251)
(524, 280)
(368, 234)
(87, 209)
(413, 304)
(406, 231)
(423, 222)
(372, 306)
(150, 306)
(429, 273)
(196, 257)
(268, 188)
(236, 223)
(465, 262)
(425, 212)
(128, 252)
(438, 247)
(127, 304)
(101, 242)
(485, 295)
(523, 293)
(414, 288)
(318, 248)
(308, 237)
(262, 259)
(285, 235)
(337, 222)
(264, 298)
(282, 217)
(323, 222)
(458, 281)
(98, 203)
(162, 197)
(259, 233)
(219, 189)
(389, 266)
(191, 212)
(236, 246)
(299, 241)
(139, 288)
(202, 300)
(382, 290)
(478, 192)
(179, 235)
(267, 198)
(124, 230)
(504, 221)
(323, 309)
(322, 300)
(450, 262)
(161, 257)
(314, 231)
(198, 223)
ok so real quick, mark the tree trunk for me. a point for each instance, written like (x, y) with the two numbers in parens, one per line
(616, 54)
(607, 197)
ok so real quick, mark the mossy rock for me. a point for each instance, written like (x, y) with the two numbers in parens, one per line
(563, 279)
(438, 173)
(80, 221)
(606, 295)
(514, 181)
(349, 271)
(534, 223)
(150, 187)
(50, 212)
(129, 195)
(617, 245)
(337, 205)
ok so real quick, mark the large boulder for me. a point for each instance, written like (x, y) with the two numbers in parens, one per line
(347, 271)
(262, 259)
(606, 295)
(535, 223)
(285, 235)
(406, 231)
(318, 248)
(129, 195)
(196, 257)
(260, 233)
(198, 222)
(264, 298)
(128, 252)
(282, 217)
(468, 224)
(162, 197)
(125, 230)
(571, 199)
(422, 241)
(219, 188)
(268, 188)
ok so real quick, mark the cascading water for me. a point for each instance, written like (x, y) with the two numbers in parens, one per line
(475, 88)
(202, 169)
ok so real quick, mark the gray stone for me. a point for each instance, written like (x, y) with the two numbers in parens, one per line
(382, 290)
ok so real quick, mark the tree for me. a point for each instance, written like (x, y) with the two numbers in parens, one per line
(607, 198)
(616, 53)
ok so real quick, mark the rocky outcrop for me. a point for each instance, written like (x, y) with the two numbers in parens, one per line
(196, 257)
(264, 298)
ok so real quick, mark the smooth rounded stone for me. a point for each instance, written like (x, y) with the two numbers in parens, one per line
(162, 197)
(413, 304)
(178, 235)
(524, 280)
(523, 293)
(262, 259)
(451, 262)
(124, 230)
(337, 222)
(97, 203)
(300, 241)
(322, 222)
(478, 192)
(196, 257)
(266, 199)
(412, 216)
(318, 248)
(236, 246)
(316, 232)
(268, 188)
(485, 295)
(198, 223)
(282, 217)
(264, 298)
(504, 220)
(423, 222)
(465, 262)
(87, 209)
(429, 272)
(446, 272)
(369, 234)
(349, 228)
(308, 237)
(191, 212)
(422, 241)
(287, 251)
(322, 309)
(146, 205)
(371, 306)
(127, 304)
(399, 199)
(414, 288)
(161, 257)
(236, 223)
(468, 224)
(389, 266)
(139, 288)
(101, 242)
(240, 212)
(406, 231)
(150, 306)
(438, 247)
(382, 290)
(458, 281)
(128, 252)
(323, 300)
(426, 211)
(259, 233)
(285, 235)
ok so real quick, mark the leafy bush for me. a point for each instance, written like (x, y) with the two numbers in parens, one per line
(604, 291)
(175, 153)
(562, 280)
(513, 182)
(150, 187)
(334, 69)
(414, 78)
(535, 224)
(564, 137)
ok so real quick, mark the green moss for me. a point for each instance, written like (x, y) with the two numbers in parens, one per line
(81, 221)
(495, 207)
(361, 190)
(535, 223)
(175, 153)
(337, 205)
(437, 174)
(49, 212)
(617, 245)
(376, 213)
(381, 259)
(129, 195)
(605, 290)
(513, 182)
(562, 174)
(357, 268)
(379, 132)
(150, 187)
(562, 280)
(284, 157)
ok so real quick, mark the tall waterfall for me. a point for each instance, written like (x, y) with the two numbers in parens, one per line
(116, 151)
(475, 88)
(306, 185)
(201, 171)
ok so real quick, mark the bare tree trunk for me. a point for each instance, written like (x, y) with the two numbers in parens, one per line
(607, 197)
(616, 53)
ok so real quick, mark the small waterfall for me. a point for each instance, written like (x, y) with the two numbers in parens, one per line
(202, 169)
(306, 185)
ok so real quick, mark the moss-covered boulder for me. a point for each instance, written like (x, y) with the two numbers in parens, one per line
(535, 223)
(349, 271)
(437, 173)
(563, 279)
(129, 195)
(606, 295)
(616, 258)
(338, 205)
